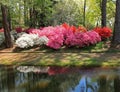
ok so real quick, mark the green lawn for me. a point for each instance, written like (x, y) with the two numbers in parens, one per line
(93, 56)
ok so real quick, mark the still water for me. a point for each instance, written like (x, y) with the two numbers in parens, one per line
(58, 79)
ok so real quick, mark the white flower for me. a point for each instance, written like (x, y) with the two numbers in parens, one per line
(29, 40)
(35, 39)
(2, 38)
(20, 34)
(43, 40)
(24, 41)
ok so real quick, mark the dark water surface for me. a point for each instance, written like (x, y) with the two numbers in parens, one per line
(58, 79)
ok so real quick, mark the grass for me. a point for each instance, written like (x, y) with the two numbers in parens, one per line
(92, 56)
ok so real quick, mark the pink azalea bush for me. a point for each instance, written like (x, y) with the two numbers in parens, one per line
(54, 34)
(82, 39)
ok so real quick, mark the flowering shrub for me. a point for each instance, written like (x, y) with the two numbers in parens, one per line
(82, 39)
(67, 35)
(18, 29)
(56, 37)
(81, 29)
(29, 40)
(69, 28)
(1, 30)
(73, 28)
(20, 34)
(54, 34)
(2, 38)
(94, 37)
(104, 32)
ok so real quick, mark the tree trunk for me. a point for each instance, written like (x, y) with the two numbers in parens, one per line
(116, 33)
(31, 17)
(8, 40)
(84, 13)
(9, 19)
(103, 13)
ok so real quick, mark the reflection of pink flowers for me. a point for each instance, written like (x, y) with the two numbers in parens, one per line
(54, 70)
(58, 70)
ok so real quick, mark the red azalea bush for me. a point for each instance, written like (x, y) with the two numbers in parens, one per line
(73, 28)
(18, 29)
(81, 29)
(1, 30)
(104, 32)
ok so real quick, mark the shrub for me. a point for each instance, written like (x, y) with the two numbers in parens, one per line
(29, 40)
(104, 32)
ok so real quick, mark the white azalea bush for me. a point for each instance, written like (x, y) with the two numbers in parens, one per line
(43, 40)
(2, 38)
(29, 40)
(20, 34)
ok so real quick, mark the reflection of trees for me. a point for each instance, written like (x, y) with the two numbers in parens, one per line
(102, 84)
(106, 83)
(61, 80)
(7, 79)
(117, 84)
(10, 79)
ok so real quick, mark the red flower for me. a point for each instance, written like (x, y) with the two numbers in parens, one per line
(73, 28)
(1, 30)
(65, 25)
(104, 32)
(81, 29)
(18, 29)
(68, 27)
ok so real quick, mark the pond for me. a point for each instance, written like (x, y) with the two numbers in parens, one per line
(58, 79)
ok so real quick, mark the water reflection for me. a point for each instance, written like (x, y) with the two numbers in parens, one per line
(58, 79)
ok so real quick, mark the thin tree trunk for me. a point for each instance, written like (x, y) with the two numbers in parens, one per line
(84, 13)
(25, 22)
(31, 17)
(8, 40)
(116, 33)
(9, 20)
(103, 13)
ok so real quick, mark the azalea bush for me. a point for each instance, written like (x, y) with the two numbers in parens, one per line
(104, 32)
(67, 35)
(1, 30)
(29, 40)
(2, 38)
(82, 39)
(62, 35)
(18, 29)
(54, 34)
(73, 28)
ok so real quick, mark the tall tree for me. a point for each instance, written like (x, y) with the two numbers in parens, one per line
(84, 13)
(103, 12)
(116, 33)
(8, 40)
